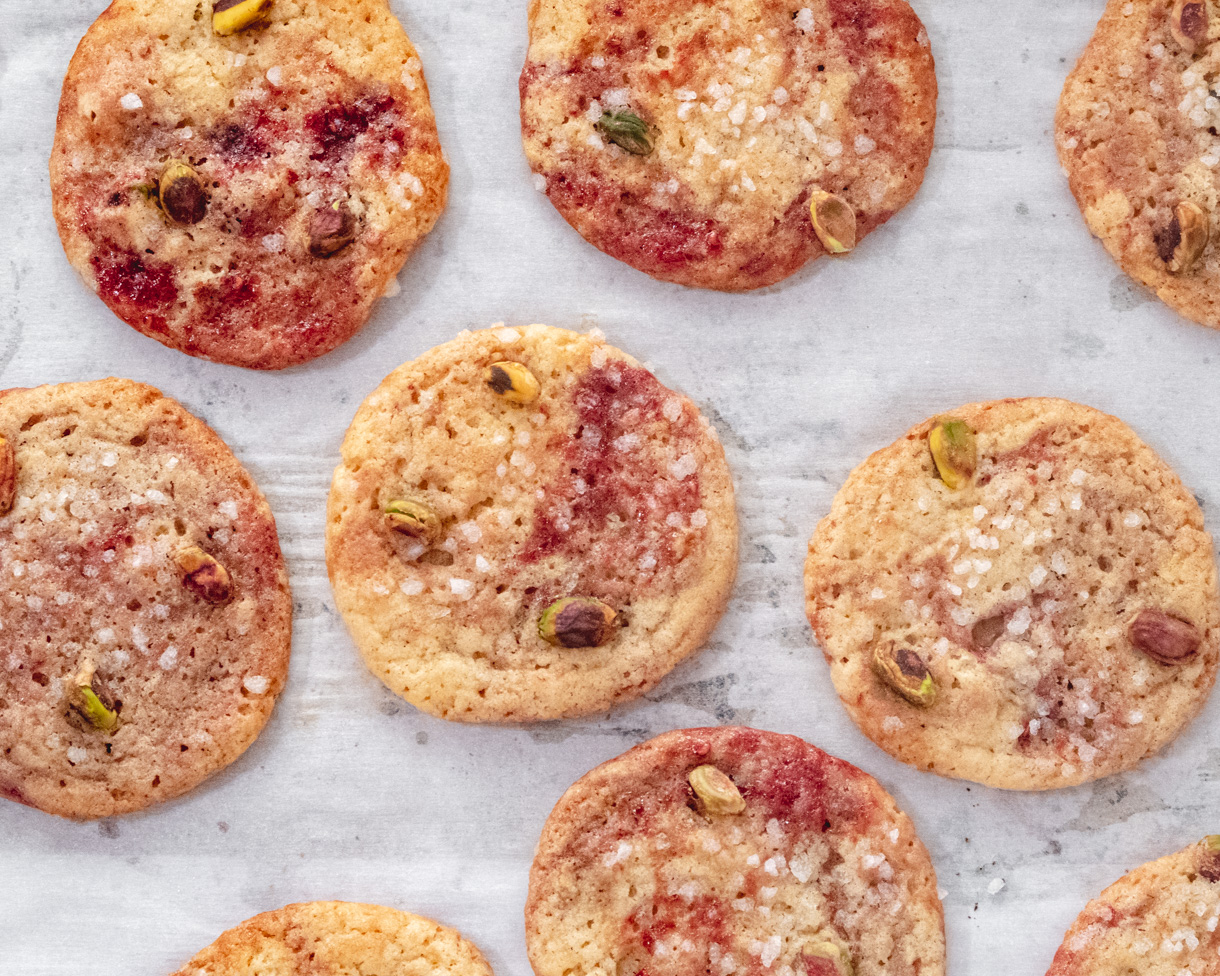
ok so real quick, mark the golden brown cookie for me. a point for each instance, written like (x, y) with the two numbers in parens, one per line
(1136, 133)
(245, 197)
(687, 138)
(527, 525)
(731, 851)
(1159, 920)
(335, 938)
(145, 617)
(1033, 606)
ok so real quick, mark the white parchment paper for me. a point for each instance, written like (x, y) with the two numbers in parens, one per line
(987, 286)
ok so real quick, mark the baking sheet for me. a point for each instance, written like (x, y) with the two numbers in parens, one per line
(987, 286)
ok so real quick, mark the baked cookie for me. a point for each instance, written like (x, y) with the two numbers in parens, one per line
(340, 938)
(1020, 593)
(1137, 136)
(243, 180)
(731, 851)
(145, 618)
(1159, 920)
(527, 525)
(688, 138)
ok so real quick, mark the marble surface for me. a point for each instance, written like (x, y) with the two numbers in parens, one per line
(987, 286)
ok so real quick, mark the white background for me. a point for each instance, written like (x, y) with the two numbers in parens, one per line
(988, 285)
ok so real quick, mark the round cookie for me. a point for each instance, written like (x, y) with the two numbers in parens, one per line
(315, 160)
(811, 870)
(1051, 620)
(143, 588)
(732, 114)
(339, 938)
(607, 487)
(1159, 920)
(1136, 134)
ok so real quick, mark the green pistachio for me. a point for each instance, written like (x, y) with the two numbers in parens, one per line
(627, 131)
(577, 621)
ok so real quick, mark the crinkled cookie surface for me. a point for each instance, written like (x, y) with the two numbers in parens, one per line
(1137, 134)
(322, 107)
(113, 482)
(749, 104)
(1159, 920)
(608, 486)
(333, 938)
(1033, 596)
(634, 875)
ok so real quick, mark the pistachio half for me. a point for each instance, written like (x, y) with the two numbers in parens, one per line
(627, 131)
(8, 475)
(203, 575)
(716, 792)
(331, 229)
(413, 518)
(905, 672)
(826, 959)
(1209, 866)
(1164, 638)
(183, 197)
(1182, 241)
(577, 621)
(954, 451)
(1188, 24)
(512, 381)
(834, 221)
(84, 699)
(232, 16)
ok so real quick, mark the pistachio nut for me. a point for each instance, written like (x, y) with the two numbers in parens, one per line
(203, 575)
(183, 197)
(1209, 866)
(512, 381)
(1188, 24)
(627, 131)
(577, 621)
(1164, 638)
(826, 959)
(905, 672)
(232, 16)
(8, 475)
(954, 450)
(1182, 241)
(834, 221)
(413, 518)
(84, 699)
(331, 229)
(716, 792)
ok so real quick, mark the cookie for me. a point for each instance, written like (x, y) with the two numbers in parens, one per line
(1136, 133)
(731, 851)
(340, 938)
(1159, 920)
(1019, 593)
(687, 139)
(145, 618)
(527, 525)
(245, 197)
